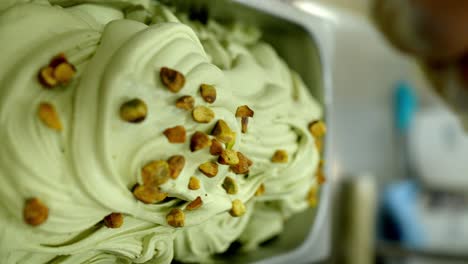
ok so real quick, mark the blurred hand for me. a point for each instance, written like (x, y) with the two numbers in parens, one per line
(433, 30)
(436, 33)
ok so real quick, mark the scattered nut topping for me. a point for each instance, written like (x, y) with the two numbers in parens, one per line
(231, 143)
(49, 116)
(155, 173)
(133, 111)
(194, 183)
(64, 72)
(202, 114)
(244, 124)
(261, 190)
(244, 112)
(243, 166)
(172, 79)
(223, 132)
(185, 102)
(320, 177)
(208, 92)
(175, 134)
(176, 165)
(210, 169)
(59, 71)
(317, 128)
(216, 147)
(148, 194)
(46, 77)
(35, 212)
(195, 204)
(312, 196)
(199, 141)
(176, 218)
(238, 208)
(114, 220)
(230, 185)
(280, 156)
(228, 157)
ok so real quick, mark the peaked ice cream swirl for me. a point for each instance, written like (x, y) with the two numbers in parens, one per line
(87, 170)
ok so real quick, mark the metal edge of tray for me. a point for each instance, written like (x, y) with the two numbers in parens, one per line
(320, 28)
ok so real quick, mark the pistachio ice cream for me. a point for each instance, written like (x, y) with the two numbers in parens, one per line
(132, 134)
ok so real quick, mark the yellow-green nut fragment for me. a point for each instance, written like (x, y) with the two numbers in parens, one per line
(280, 156)
(155, 172)
(230, 185)
(194, 183)
(208, 93)
(222, 132)
(134, 111)
(228, 157)
(238, 208)
(195, 204)
(318, 128)
(202, 114)
(176, 218)
(210, 169)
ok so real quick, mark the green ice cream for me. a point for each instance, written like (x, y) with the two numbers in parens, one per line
(87, 171)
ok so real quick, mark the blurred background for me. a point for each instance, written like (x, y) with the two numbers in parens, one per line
(400, 151)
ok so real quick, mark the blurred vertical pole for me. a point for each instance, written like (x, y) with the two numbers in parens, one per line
(355, 221)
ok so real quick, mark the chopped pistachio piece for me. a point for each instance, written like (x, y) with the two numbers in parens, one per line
(238, 208)
(64, 72)
(230, 185)
(148, 194)
(243, 166)
(208, 93)
(320, 177)
(244, 124)
(317, 128)
(244, 111)
(176, 218)
(155, 173)
(185, 102)
(202, 114)
(228, 157)
(46, 77)
(210, 169)
(318, 144)
(231, 143)
(175, 134)
(176, 165)
(35, 212)
(261, 190)
(280, 156)
(172, 79)
(223, 132)
(199, 141)
(216, 147)
(133, 111)
(194, 183)
(59, 71)
(49, 116)
(195, 204)
(312, 198)
(113, 220)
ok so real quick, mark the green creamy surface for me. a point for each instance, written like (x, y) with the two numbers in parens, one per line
(86, 171)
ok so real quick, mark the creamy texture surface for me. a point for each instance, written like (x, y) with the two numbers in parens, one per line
(86, 171)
